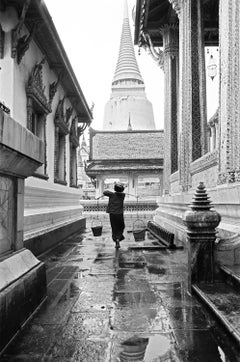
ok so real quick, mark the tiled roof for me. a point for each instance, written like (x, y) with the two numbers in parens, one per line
(127, 145)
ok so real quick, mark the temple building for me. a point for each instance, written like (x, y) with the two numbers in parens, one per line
(176, 33)
(84, 182)
(129, 148)
(42, 114)
(133, 158)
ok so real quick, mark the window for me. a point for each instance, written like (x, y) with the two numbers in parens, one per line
(37, 110)
(61, 130)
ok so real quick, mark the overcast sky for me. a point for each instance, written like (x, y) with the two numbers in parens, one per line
(90, 31)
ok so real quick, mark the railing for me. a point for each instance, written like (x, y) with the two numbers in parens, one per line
(165, 236)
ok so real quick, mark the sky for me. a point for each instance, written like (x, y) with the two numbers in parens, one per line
(90, 32)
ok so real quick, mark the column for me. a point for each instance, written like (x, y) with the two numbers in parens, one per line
(132, 184)
(192, 89)
(170, 46)
(101, 185)
(214, 136)
(229, 112)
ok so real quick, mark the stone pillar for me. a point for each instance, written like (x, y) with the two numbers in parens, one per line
(132, 185)
(211, 139)
(99, 186)
(170, 46)
(214, 136)
(192, 88)
(201, 225)
(229, 112)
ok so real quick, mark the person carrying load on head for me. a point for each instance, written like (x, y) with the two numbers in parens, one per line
(115, 211)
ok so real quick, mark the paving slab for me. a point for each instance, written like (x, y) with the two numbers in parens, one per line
(108, 305)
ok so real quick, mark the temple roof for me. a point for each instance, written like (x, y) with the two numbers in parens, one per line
(99, 167)
(124, 145)
(127, 67)
(152, 15)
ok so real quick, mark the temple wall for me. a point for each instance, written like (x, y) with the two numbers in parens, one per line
(174, 183)
(56, 204)
(205, 169)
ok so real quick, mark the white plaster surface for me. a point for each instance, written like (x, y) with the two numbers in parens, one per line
(16, 265)
(118, 110)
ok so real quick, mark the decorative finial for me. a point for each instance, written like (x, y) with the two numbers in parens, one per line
(125, 12)
(201, 201)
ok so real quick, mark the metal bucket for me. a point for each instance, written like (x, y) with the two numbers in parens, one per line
(139, 230)
(96, 227)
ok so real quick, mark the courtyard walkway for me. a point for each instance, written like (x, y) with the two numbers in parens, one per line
(126, 305)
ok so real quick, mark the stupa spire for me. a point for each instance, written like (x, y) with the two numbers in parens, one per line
(128, 89)
(127, 67)
(125, 10)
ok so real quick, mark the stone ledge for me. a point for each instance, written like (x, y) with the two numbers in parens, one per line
(218, 301)
(20, 139)
(46, 229)
(46, 238)
(15, 266)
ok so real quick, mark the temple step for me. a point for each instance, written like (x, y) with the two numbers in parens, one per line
(231, 275)
(223, 300)
(164, 236)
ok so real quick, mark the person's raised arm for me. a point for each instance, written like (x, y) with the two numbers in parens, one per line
(107, 193)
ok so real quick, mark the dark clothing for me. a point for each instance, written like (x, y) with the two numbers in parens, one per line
(115, 203)
(115, 210)
(118, 226)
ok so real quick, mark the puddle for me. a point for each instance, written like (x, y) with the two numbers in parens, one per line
(146, 349)
(156, 270)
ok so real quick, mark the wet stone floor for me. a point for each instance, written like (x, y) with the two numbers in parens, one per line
(125, 305)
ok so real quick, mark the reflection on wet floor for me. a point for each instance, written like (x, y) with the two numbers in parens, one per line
(127, 305)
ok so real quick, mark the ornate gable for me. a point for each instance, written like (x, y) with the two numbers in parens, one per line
(35, 88)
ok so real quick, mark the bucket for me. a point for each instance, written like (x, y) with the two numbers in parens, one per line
(96, 227)
(139, 230)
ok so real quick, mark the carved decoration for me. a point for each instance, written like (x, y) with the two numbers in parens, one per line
(4, 108)
(170, 39)
(156, 53)
(176, 5)
(230, 176)
(229, 114)
(16, 33)
(35, 88)
(81, 129)
(192, 117)
(205, 162)
(69, 112)
(23, 44)
(170, 49)
(92, 108)
(59, 119)
(74, 139)
(2, 39)
(53, 89)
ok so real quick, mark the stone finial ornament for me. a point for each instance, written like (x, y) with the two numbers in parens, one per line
(201, 222)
